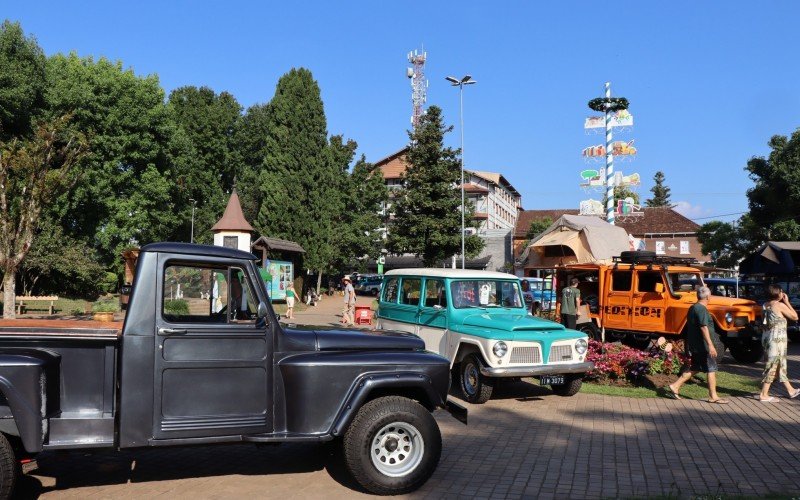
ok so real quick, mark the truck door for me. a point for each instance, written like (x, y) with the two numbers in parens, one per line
(213, 373)
(433, 316)
(403, 313)
(617, 308)
(649, 302)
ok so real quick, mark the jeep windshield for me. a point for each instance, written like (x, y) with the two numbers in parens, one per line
(684, 282)
(486, 294)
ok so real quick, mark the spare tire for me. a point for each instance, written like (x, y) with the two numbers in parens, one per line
(638, 256)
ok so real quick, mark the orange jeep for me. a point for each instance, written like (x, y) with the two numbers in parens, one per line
(640, 296)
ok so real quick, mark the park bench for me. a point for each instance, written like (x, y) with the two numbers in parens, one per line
(21, 301)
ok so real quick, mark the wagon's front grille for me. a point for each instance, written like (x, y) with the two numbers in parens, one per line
(526, 355)
(560, 353)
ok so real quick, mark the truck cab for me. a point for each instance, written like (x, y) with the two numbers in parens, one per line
(201, 358)
(637, 298)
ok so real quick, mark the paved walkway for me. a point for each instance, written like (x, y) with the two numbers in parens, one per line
(524, 443)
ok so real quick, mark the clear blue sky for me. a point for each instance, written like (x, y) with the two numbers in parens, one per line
(709, 82)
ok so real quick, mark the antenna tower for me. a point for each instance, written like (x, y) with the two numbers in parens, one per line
(419, 85)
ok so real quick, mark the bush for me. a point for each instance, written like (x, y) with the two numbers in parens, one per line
(176, 307)
(105, 305)
(620, 362)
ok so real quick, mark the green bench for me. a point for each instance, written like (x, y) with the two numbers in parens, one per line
(21, 302)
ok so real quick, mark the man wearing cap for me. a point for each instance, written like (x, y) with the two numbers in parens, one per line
(349, 302)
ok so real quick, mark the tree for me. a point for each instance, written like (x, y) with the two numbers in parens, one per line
(728, 243)
(621, 193)
(660, 192)
(427, 218)
(538, 226)
(774, 200)
(296, 178)
(250, 143)
(22, 80)
(32, 173)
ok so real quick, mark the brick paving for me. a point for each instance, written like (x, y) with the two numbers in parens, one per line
(524, 443)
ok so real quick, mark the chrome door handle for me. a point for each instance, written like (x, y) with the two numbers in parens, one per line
(171, 331)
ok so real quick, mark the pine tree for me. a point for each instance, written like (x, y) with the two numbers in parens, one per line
(427, 218)
(660, 192)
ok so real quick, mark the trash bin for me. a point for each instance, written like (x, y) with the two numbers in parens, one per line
(363, 315)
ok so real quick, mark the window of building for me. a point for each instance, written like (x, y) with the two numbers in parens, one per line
(230, 241)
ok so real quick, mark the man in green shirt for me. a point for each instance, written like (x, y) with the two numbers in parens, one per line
(570, 302)
(700, 348)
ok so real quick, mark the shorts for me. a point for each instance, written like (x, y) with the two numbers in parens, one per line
(701, 362)
(569, 320)
(289, 301)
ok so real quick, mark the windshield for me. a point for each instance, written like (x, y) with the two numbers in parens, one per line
(485, 293)
(685, 282)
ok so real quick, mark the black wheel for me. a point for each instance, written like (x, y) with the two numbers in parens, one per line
(476, 388)
(9, 468)
(746, 351)
(393, 446)
(589, 329)
(570, 387)
(720, 346)
(639, 341)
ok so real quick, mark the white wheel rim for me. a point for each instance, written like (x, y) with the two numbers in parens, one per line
(397, 449)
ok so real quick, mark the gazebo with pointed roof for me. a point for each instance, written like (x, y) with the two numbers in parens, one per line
(233, 230)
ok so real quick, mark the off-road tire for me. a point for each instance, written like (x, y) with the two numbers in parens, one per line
(570, 387)
(9, 468)
(476, 388)
(589, 329)
(641, 344)
(720, 346)
(746, 352)
(361, 435)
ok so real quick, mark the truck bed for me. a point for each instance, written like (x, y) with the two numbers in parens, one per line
(48, 328)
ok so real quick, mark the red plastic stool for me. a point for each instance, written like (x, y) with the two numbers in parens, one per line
(363, 315)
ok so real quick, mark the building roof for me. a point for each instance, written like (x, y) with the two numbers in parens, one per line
(392, 166)
(450, 273)
(497, 179)
(233, 218)
(277, 244)
(656, 220)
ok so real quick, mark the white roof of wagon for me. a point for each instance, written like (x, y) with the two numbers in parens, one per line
(450, 273)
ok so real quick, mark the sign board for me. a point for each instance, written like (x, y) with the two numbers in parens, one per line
(282, 273)
(622, 118)
(592, 207)
(618, 148)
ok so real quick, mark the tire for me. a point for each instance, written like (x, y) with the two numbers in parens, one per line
(720, 346)
(376, 436)
(589, 329)
(476, 388)
(746, 351)
(642, 256)
(9, 469)
(637, 341)
(571, 386)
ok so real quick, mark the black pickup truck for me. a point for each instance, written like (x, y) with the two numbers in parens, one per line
(201, 358)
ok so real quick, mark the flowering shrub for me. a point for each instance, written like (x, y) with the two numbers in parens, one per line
(614, 361)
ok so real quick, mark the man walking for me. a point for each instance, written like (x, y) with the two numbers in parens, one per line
(570, 302)
(349, 303)
(700, 347)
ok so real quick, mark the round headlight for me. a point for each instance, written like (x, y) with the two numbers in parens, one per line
(729, 317)
(581, 345)
(500, 349)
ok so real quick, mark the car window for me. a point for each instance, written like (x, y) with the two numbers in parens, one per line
(646, 281)
(390, 290)
(485, 293)
(410, 291)
(435, 293)
(621, 281)
(196, 294)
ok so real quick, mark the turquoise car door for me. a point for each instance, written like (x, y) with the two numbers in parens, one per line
(433, 316)
(399, 305)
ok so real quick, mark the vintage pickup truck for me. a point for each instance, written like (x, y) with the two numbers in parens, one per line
(208, 362)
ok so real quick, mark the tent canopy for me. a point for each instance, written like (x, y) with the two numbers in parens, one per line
(576, 239)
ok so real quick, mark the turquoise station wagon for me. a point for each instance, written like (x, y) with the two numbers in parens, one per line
(478, 320)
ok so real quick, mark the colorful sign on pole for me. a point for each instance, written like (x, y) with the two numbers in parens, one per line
(619, 148)
(282, 273)
(621, 118)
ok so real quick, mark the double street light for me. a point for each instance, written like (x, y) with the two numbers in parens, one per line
(455, 82)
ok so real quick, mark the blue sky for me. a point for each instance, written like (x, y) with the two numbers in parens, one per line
(709, 82)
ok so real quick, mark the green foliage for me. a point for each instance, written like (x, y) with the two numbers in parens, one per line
(775, 197)
(538, 226)
(729, 243)
(427, 219)
(660, 192)
(176, 307)
(22, 80)
(105, 305)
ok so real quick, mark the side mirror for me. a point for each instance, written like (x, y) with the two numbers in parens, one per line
(659, 288)
(263, 311)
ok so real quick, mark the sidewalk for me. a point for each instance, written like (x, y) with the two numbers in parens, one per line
(327, 312)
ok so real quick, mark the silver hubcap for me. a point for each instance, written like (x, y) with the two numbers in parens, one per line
(397, 449)
(471, 378)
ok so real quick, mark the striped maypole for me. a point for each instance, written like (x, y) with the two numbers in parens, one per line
(609, 161)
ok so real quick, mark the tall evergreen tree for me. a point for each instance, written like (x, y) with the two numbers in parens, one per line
(660, 192)
(427, 219)
(22, 80)
(250, 139)
(296, 179)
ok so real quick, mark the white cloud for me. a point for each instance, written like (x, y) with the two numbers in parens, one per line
(691, 211)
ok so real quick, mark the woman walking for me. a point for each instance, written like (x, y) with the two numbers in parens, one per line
(775, 339)
(291, 296)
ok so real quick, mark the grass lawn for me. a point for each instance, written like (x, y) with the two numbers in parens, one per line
(728, 384)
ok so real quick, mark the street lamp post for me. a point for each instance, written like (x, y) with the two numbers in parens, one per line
(455, 82)
(194, 204)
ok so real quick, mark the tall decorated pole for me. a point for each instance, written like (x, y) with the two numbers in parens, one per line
(609, 162)
(609, 106)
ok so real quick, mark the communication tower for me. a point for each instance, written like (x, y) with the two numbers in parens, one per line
(419, 85)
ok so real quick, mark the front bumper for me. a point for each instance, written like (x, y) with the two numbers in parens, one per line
(750, 332)
(535, 371)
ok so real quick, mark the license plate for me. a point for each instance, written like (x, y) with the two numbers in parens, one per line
(551, 380)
